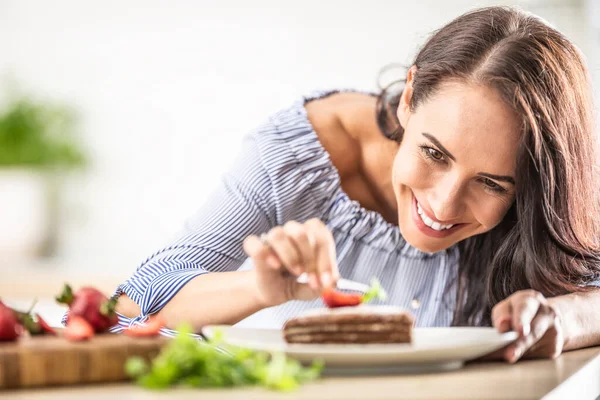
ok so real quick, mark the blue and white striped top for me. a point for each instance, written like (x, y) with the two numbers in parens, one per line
(283, 174)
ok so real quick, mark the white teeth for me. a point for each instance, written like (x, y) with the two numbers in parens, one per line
(429, 222)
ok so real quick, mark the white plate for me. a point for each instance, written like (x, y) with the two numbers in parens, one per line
(432, 348)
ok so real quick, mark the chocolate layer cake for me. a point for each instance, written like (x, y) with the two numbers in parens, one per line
(362, 324)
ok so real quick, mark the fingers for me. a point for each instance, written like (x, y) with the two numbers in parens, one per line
(285, 249)
(262, 255)
(540, 324)
(517, 312)
(304, 244)
(525, 306)
(326, 271)
(298, 248)
(551, 343)
(530, 314)
(502, 316)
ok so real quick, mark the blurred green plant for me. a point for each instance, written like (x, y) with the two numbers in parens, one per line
(186, 361)
(39, 134)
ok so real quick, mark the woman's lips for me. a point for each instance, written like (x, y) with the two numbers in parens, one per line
(428, 230)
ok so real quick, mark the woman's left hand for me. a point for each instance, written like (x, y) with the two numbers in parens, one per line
(537, 322)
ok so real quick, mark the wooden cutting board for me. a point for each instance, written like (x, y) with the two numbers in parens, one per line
(53, 360)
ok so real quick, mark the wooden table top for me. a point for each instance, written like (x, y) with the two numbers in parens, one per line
(574, 375)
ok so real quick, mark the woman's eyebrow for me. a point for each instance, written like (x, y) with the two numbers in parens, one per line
(502, 178)
(438, 144)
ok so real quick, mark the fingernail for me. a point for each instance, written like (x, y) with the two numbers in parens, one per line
(525, 328)
(326, 279)
(273, 262)
(516, 354)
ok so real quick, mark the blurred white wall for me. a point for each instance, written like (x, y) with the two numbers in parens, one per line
(167, 89)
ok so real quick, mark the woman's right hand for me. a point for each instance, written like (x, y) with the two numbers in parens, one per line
(288, 251)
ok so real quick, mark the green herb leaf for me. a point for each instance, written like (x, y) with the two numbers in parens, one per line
(375, 292)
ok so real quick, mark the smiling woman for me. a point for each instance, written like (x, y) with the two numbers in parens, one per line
(471, 195)
(511, 96)
(454, 172)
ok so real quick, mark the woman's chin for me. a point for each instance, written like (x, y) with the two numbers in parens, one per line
(424, 244)
(428, 248)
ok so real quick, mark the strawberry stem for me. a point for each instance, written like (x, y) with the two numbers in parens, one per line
(66, 297)
(27, 321)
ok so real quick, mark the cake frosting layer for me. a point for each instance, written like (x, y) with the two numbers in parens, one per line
(363, 309)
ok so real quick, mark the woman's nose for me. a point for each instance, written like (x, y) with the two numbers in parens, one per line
(447, 202)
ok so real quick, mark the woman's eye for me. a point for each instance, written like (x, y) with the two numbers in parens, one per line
(432, 154)
(490, 184)
(436, 155)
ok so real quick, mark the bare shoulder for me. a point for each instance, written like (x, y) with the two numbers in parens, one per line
(335, 119)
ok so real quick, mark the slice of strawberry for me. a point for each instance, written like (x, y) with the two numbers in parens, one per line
(44, 325)
(150, 328)
(333, 298)
(78, 329)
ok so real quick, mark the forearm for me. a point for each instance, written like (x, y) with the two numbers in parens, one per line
(580, 316)
(214, 298)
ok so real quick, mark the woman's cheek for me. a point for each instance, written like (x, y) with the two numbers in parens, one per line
(490, 213)
(411, 170)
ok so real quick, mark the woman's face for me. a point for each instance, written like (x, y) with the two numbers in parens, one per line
(454, 172)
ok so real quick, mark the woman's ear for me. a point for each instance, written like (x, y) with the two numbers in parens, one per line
(404, 110)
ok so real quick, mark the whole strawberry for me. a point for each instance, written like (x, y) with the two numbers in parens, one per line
(90, 304)
(10, 329)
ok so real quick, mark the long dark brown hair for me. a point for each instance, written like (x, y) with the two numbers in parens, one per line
(549, 240)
